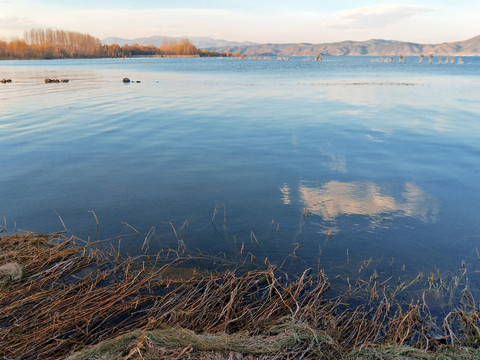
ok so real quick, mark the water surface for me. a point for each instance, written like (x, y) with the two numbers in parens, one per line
(329, 158)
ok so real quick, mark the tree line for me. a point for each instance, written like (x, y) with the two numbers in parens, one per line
(60, 44)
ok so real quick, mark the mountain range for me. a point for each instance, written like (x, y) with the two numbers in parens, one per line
(374, 47)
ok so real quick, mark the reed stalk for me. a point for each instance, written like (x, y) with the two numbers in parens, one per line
(84, 303)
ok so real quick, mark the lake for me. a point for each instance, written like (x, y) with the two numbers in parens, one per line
(314, 164)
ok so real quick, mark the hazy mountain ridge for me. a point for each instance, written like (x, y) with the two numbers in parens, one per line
(376, 47)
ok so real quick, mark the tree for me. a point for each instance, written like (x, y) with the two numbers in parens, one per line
(55, 44)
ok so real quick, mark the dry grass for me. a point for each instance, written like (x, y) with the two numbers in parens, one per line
(101, 306)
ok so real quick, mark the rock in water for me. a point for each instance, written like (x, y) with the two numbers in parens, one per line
(13, 270)
(126, 80)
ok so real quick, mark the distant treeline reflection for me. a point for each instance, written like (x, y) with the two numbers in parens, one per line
(60, 44)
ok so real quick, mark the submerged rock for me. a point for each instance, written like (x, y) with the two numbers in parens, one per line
(48, 81)
(64, 80)
(434, 332)
(11, 272)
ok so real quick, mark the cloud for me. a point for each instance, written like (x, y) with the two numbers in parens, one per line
(240, 23)
(13, 25)
(377, 16)
(142, 22)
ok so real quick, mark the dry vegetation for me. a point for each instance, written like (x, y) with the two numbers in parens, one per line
(60, 44)
(77, 302)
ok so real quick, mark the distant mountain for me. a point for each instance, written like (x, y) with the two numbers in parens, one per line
(373, 47)
(370, 47)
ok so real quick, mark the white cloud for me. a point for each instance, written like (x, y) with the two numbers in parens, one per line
(377, 16)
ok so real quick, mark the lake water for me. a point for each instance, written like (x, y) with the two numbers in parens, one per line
(378, 161)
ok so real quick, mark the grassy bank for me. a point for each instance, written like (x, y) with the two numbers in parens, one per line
(67, 299)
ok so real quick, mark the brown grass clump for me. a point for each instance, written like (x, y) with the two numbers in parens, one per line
(82, 303)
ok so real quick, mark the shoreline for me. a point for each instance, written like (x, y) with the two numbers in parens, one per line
(251, 57)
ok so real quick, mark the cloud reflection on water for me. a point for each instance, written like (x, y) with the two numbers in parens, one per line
(337, 198)
(285, 190)
(335, 162)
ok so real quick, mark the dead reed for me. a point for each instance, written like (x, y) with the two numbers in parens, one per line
(84, 303)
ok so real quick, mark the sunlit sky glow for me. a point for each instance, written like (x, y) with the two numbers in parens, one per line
(276, 21)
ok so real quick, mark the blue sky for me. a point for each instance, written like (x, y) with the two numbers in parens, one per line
(313, 21)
